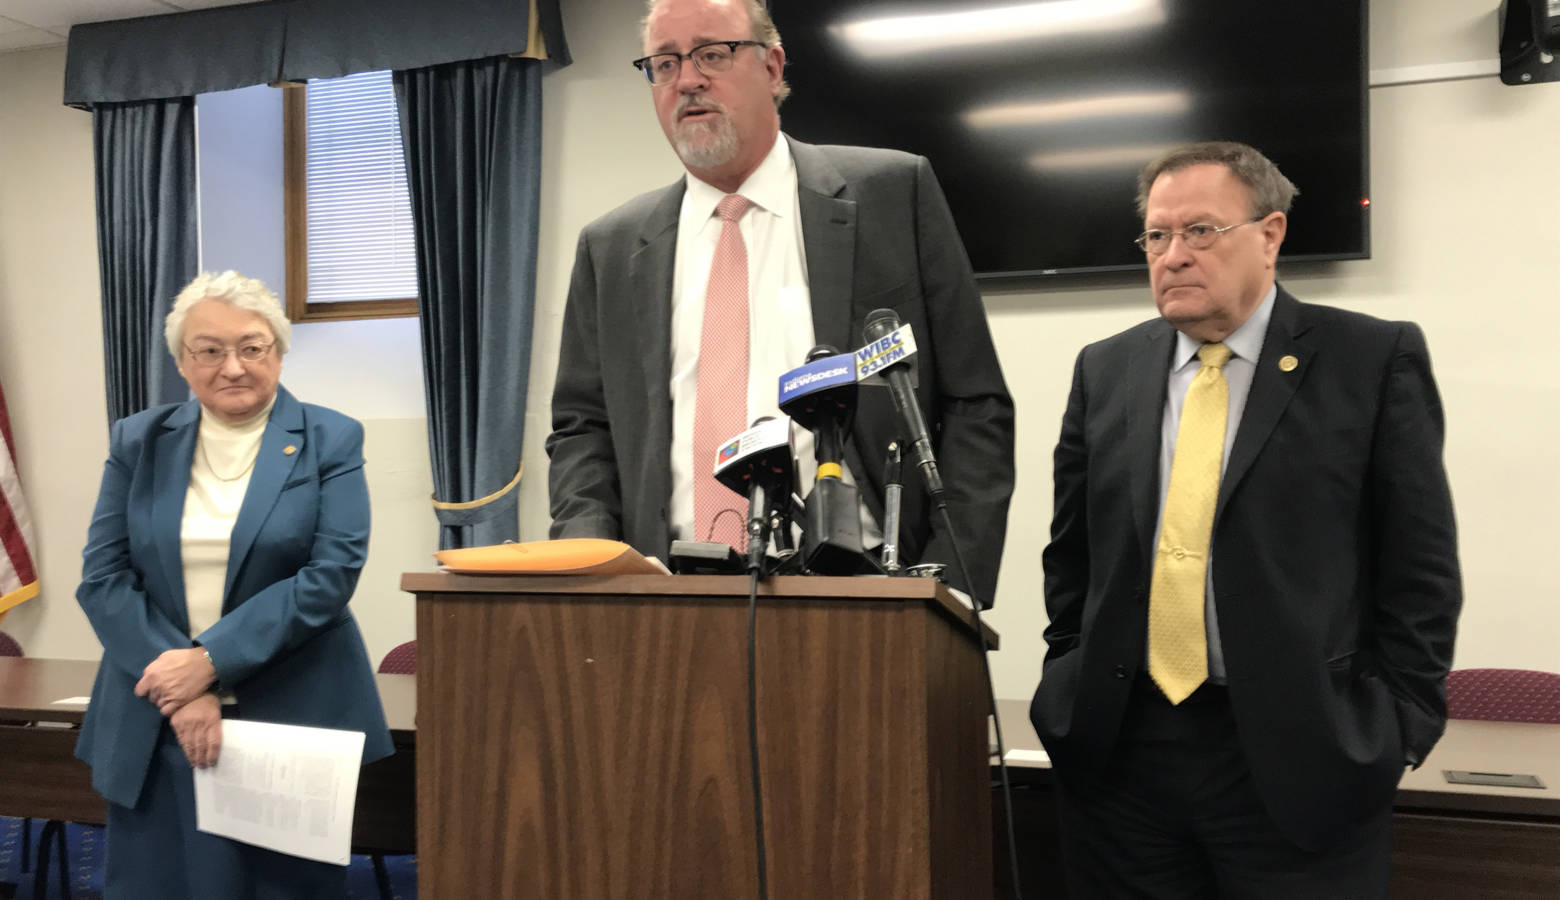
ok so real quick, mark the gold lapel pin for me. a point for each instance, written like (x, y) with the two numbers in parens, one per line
(1288, 363)
(289, 450)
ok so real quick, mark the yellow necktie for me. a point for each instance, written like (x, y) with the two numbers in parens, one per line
(1177, 638)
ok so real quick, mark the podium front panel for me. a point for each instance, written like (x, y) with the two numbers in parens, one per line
(588, 738)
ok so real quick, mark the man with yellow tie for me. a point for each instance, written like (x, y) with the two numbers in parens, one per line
(1252, 579)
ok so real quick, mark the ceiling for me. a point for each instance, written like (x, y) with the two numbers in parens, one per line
(25, 24)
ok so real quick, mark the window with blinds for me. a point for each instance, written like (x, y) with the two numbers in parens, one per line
(350, 250)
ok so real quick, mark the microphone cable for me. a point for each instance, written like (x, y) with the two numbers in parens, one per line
(752, 700)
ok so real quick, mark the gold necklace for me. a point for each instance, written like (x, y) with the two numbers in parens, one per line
(213, 469)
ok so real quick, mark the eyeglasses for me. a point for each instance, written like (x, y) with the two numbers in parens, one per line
(710, 59)
(209, 355)
(1198, 236)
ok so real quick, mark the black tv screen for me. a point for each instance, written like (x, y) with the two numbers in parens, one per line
(1037, 116)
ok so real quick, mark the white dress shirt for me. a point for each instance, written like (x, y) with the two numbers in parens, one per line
(1245, 345)
(780, 326)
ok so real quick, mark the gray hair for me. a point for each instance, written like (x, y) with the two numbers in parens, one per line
(1270, 190)
(764, 31)
(248, 294)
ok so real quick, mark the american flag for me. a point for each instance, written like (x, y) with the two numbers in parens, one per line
(18, 575)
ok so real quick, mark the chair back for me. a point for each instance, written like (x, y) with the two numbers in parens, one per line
(402, 660)
(9, 646)
(1504, 695)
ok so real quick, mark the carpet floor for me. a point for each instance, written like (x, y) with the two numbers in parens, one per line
(86, 845)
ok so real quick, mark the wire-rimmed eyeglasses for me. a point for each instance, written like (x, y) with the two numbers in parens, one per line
(1198, 236)
(209, 355)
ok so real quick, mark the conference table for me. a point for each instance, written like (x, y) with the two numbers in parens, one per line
(1450, 840)
(41, 778)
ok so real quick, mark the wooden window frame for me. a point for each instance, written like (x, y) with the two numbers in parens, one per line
(295, 202)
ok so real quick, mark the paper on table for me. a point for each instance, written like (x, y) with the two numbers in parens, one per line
(1034, 758)
(283, 787)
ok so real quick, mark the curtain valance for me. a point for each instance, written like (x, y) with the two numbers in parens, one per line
(229, 47)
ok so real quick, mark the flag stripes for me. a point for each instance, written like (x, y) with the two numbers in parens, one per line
(18, 576)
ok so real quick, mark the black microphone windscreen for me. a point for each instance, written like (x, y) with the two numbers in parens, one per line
(879, 323)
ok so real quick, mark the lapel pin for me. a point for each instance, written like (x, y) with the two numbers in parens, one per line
(289, 450)
(1288, 363)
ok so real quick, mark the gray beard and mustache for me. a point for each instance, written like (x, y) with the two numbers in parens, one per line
(706, 143)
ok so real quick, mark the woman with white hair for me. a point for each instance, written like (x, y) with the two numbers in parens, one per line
(227, 539)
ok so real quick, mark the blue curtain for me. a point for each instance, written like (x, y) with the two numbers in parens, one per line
(144, 155)
(204, 50)
(472, 139)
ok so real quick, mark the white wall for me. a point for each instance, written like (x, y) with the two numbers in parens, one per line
(51, 337)
(1465, 242)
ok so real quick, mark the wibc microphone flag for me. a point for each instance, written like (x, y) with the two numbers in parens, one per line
(864, 366)
(896, 346)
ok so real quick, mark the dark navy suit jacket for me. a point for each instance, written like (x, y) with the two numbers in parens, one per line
(286, 644)
(1334, 560)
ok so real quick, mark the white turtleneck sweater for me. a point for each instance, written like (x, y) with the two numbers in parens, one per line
(219, 477)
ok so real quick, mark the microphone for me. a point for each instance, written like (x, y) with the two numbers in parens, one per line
(821, 396)
(890, 345)
(760, 464)
(892, 488)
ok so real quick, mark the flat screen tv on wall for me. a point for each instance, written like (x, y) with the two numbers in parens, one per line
(1036, 116)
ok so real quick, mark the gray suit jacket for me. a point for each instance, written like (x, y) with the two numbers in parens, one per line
(876, 233)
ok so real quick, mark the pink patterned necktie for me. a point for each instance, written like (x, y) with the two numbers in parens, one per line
(720, 412)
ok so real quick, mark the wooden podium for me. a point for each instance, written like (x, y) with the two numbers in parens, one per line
(587, 738)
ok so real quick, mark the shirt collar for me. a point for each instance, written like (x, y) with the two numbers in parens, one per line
(772, 186)
(1244, 342)
(213, 427)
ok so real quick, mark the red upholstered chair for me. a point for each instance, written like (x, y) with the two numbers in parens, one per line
(1504, 695)
(402, 660)
(9, 646)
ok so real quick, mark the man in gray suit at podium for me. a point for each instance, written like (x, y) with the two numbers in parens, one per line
(687, 304)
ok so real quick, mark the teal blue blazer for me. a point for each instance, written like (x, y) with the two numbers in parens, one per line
(286, 645)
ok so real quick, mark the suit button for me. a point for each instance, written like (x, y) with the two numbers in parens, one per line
(1121, 672)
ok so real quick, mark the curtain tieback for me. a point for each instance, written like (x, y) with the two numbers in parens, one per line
(466, 512)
